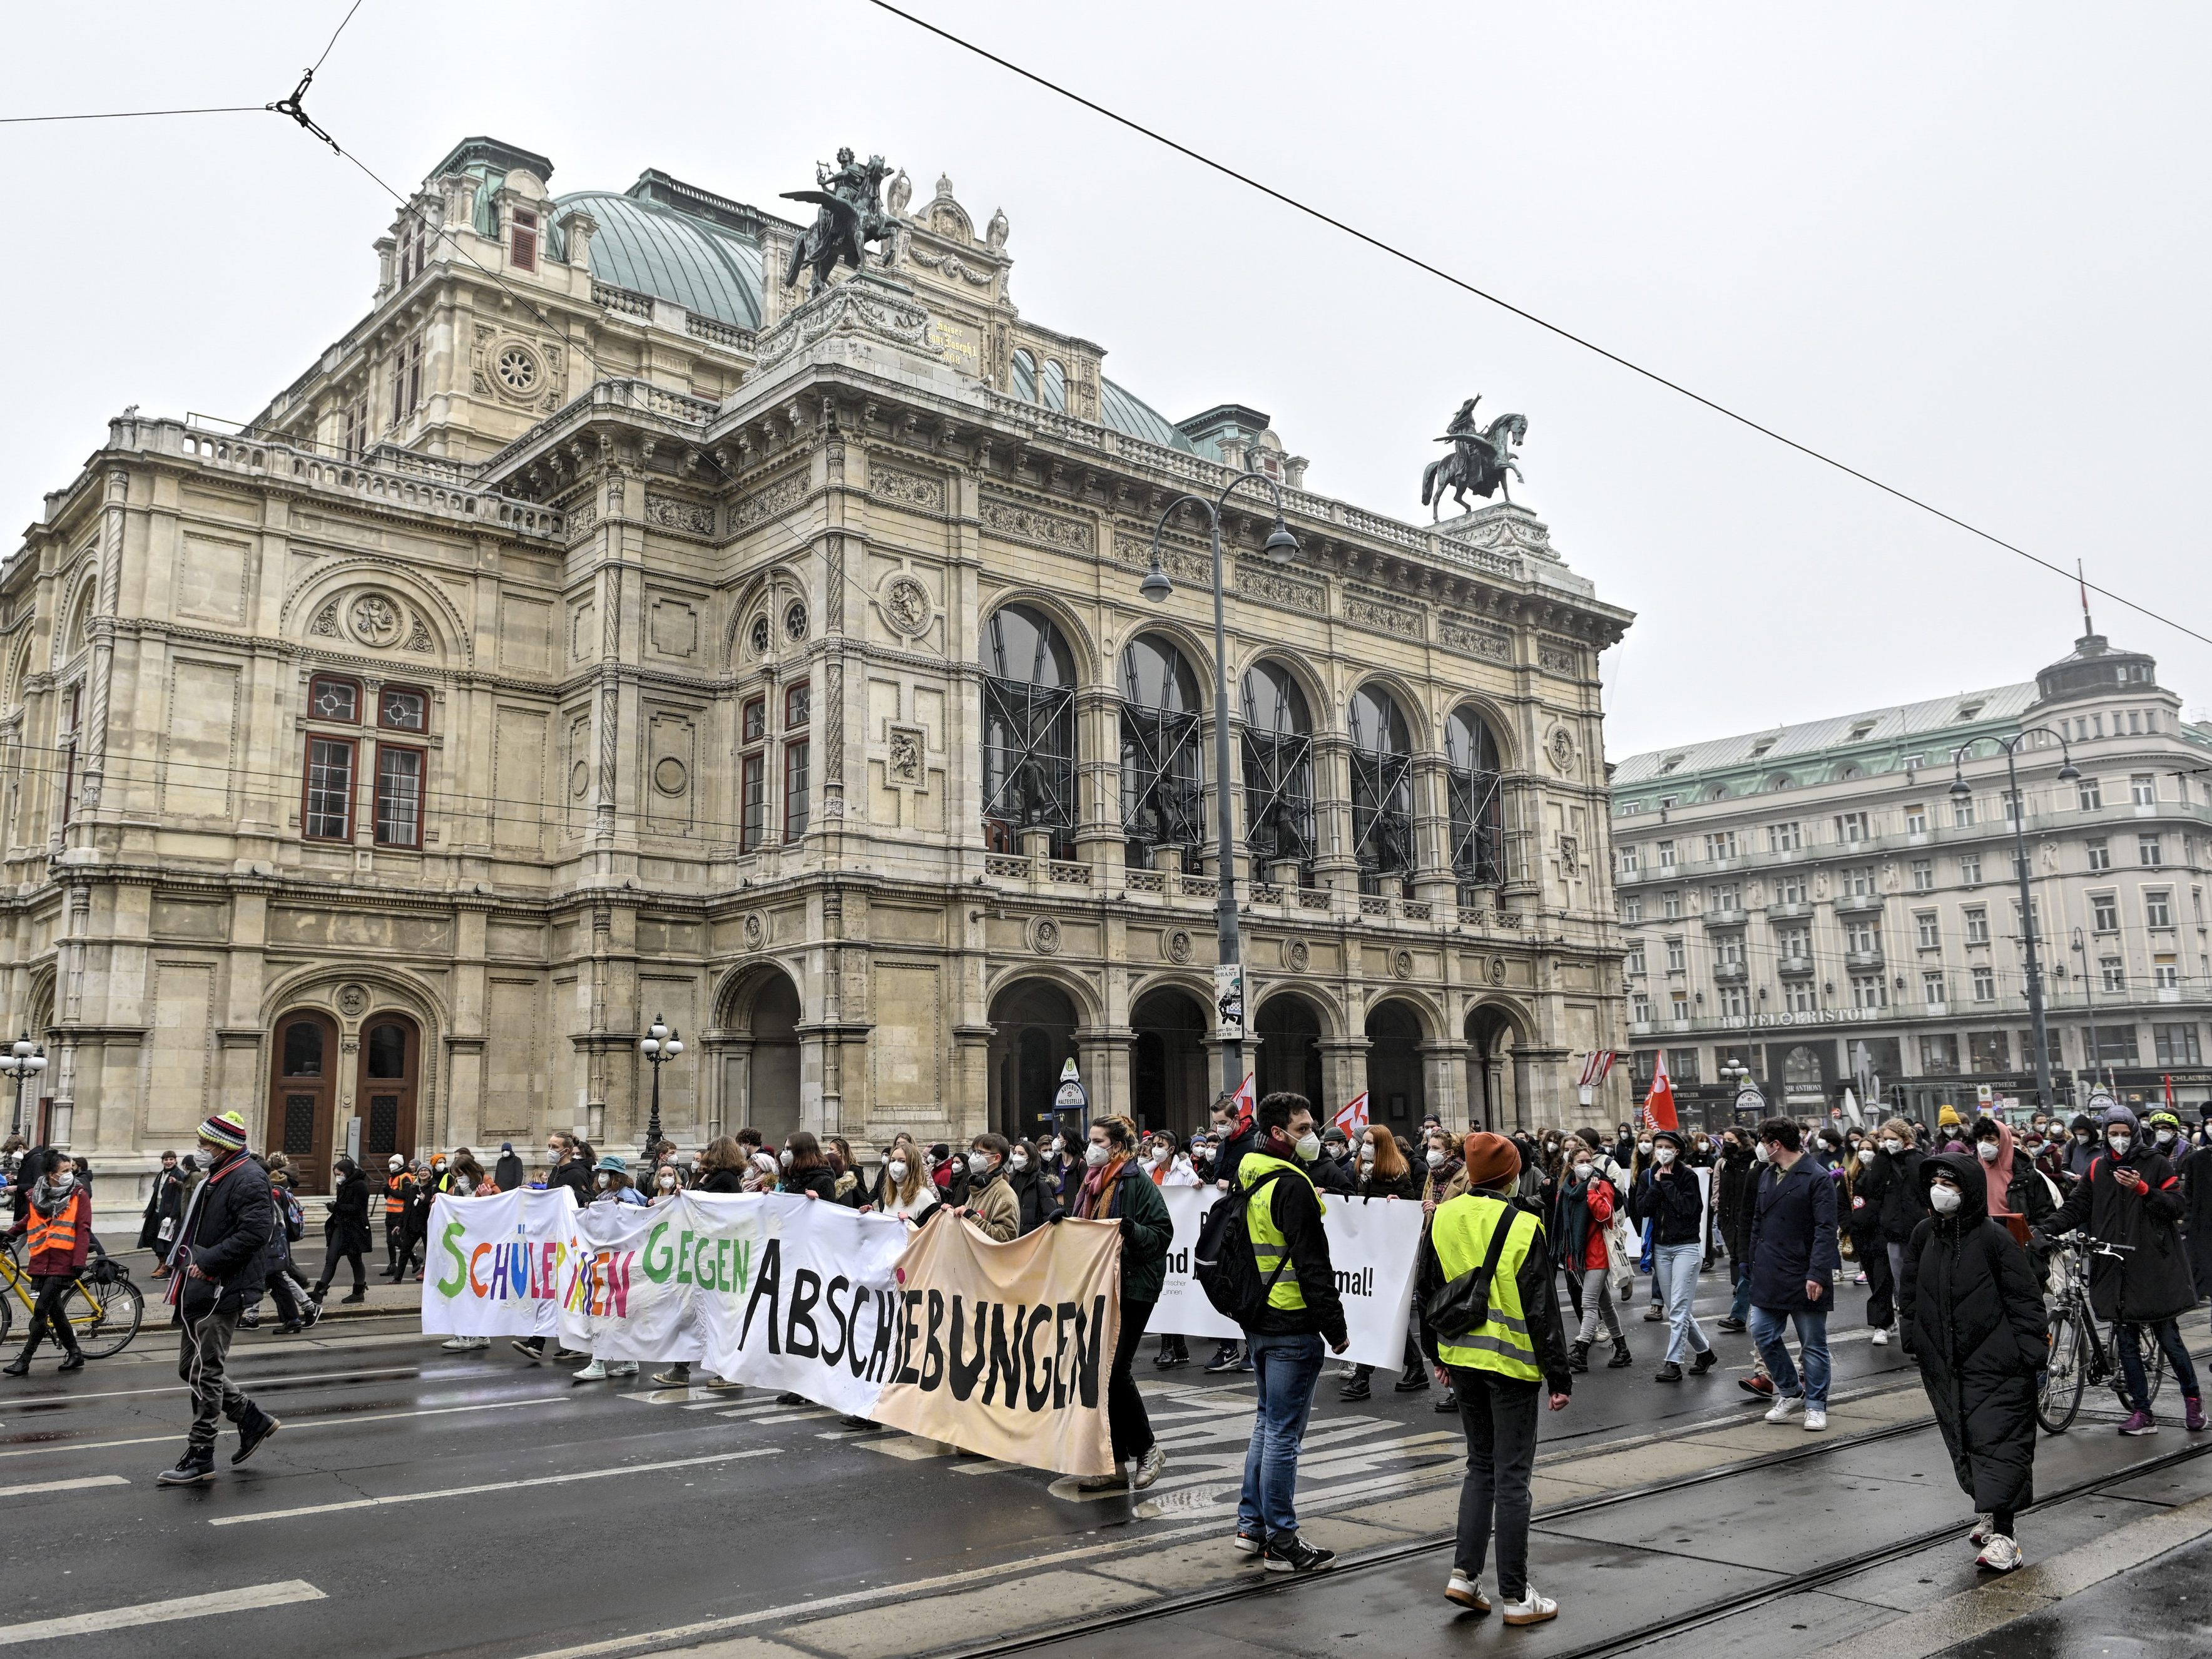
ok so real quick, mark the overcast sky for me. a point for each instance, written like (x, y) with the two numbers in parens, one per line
(1963, 248)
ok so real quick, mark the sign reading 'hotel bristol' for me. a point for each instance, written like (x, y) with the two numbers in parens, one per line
(1819, 1016)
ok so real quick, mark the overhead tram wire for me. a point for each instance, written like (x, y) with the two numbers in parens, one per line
(335, 33)
(1415, 260)
(136, 114)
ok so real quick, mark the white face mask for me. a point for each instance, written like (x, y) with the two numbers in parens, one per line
(1582, 1170)
(1309, 1145)
(1986, 1150)
(978, 1165)
(668, 1183)
(1161, 1154)
(2083, 1136)
(600, 1182)
(1096, 1154)
(1945, 1201)
(1436, 1158)
(1019, 1160)
(1663, 1155)
(2119, 1144)
(1643, 1146)
(2165, 1137)
(1866, 1154)
(1058, 1145)
(1764, 1153)
(1892, 1144)
(1366, 1154)
(784, 1157)
(396, 1166)
(898, 1168)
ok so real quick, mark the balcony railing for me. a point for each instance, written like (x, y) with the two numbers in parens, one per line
(1727, 918)
(1857, 904)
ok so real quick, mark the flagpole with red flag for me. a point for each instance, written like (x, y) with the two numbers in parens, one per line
(1659, 1104)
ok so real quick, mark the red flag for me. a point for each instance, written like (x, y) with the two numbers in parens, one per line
(1595, 1067)
(1351, 1117)
(2169, 1091)
(1659, 1104)
(1248, 1102)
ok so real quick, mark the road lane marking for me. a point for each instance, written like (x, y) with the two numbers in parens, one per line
(244, 1383)
(292, 1425)
(488, 1486)
(157, 1613)
(63, 1485)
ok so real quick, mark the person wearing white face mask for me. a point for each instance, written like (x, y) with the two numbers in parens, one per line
(1112, 1189)
(1032, 1190)
(906, 1191)
(1794, 1263)
(1972, 1317)
(991, 1205)
(2018, 1198)
(1676, 1205)
(2131, 1198)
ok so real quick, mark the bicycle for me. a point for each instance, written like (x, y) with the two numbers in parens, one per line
(104, 1308)
(2081, 1352)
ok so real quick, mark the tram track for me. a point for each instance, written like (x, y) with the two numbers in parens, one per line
(1616, 1642)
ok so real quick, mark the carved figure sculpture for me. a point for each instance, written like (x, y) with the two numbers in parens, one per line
(1480, 459)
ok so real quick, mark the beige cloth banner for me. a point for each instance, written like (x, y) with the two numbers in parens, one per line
(1005, 1349)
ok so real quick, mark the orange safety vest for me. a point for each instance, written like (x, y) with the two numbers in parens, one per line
(395, 1194)
(57, 1233)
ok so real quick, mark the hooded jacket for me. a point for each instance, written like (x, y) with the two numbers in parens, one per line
(1793, 1238)
(346, 1226)
(1892, 1188)
(2152, 1281)
(1972, 1316)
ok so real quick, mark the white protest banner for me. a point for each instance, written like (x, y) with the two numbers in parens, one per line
(1372, 1244)
(495, 1266)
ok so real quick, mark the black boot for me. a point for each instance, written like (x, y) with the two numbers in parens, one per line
(20, 1365)
(1578, 1356)
(1620, 1355)
(1414, 1379)
(1704, 1363)
(75, 1362)
(1447, 1402)
(1355, 1386)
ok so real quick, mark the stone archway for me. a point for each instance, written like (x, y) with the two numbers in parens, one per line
(1494, 1069)
(1170, 1065)
(1289, 1028)
(1033, 1023)
(760, 1056)
(1397, 1097)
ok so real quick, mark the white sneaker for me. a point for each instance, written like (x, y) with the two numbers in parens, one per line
(1785, 1407)
(457, 1343)
(1531, 1609)
(1882, 1338)
(2002, 1554)
(594, 1372)
(622, 1367)
(1148, 1468)
(1816, 1418)
(1466, 1592)
(1985, 1528)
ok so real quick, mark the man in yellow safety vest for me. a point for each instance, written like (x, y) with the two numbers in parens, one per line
(1486, 1279)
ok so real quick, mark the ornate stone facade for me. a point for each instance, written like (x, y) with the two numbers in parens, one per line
(383, 771)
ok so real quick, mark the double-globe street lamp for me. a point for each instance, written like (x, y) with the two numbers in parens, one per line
(1279, 548)
(1961, 790)
(660, 1044)
(22, 1062)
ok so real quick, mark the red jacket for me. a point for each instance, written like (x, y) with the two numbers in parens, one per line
(1587, 1252)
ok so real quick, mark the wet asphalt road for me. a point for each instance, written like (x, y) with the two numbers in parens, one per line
(478, 1504)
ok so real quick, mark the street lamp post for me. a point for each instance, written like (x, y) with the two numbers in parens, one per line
(1280, 548)
(23, 1060)
(1961, 790)
(660, 1045)
(2088, 1002)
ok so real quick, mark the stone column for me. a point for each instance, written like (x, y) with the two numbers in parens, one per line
(93, 742)
(1443, 1079)
(1343, 1068)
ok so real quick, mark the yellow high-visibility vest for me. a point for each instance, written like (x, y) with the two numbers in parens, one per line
(1460, 1230)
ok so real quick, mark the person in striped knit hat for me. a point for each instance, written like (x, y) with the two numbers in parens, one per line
(216, 1273)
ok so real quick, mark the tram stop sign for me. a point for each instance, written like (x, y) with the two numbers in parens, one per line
(1070, 1103)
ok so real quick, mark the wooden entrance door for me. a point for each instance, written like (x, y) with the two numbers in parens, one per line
(303, 1095)
(391, 1064)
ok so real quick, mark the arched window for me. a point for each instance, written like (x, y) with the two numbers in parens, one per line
(1052, 389)
(1382, 790)
(1278, 768)
(1163, 803)
(1025, 376)
(1029, 730)
(1478, 812)
(303, 1048)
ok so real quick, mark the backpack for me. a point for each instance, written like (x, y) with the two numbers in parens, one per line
(1223, 1262)
(295, 1218)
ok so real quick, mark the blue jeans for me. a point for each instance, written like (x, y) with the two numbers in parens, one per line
(1739, 1309)
(1287, 1367)
(1675, 1270)
(1767, 1328)
(2167, 1333)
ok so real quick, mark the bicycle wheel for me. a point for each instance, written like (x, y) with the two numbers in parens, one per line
(104, 1316)
(7, 1311)
(2154, 1368)
(2059, 1397)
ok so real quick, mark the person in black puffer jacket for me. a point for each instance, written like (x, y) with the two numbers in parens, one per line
(1973, 1319)
(1737, 1184)
(345, 1233)
(1033, 1189)
(1892, 1186)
